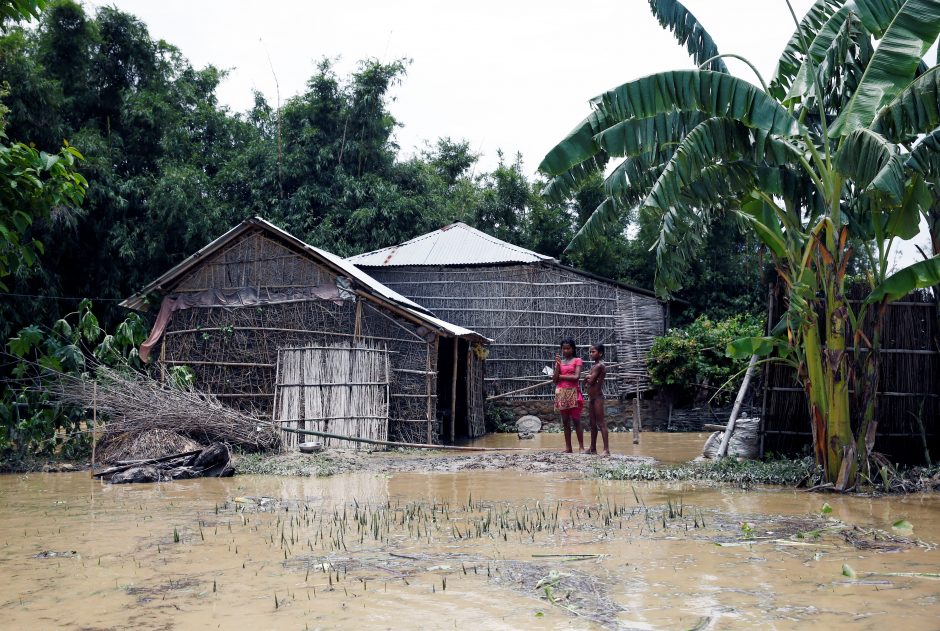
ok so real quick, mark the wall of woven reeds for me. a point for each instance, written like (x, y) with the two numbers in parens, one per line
(908, 409)
(233, 350)
(528, 309)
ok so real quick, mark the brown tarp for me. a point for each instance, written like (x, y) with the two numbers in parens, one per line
(242, 297)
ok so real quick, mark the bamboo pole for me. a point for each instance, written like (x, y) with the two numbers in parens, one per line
(94, 425)
(389, 443)
(723, 449)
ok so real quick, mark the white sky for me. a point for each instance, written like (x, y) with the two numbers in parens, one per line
(503, 75)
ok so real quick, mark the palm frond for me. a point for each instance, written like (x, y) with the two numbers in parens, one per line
(914, 111)
(873, 163)
(793, 56)
(689, 32)
(877, 14)
(892, 67)
(925, 156)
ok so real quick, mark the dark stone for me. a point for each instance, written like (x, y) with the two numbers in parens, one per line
(136, 475)
(183, 473)
(214, 454)
(224, 470)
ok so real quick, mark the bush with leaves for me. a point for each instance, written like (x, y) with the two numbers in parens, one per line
(691, 363)
(31, 424)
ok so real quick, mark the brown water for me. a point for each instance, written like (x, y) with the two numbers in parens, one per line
(453, 550)
(669, 448)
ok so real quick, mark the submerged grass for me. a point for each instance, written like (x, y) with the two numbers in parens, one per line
(744, 473)
(317, 465)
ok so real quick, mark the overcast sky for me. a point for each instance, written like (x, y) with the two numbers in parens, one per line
(503, 75)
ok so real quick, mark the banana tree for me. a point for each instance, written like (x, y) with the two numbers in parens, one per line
(833, 160)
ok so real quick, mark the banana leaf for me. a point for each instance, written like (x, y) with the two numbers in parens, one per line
(793, 56)
(913, 30)
(915, 110)
(872, 162)
(917, 276)
(689, 32)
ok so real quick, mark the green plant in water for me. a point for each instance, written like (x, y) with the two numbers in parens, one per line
(829, 165)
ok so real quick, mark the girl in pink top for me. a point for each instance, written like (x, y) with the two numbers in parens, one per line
(568, 398)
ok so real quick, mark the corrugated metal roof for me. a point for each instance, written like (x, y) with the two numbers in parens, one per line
(456, 244)
(341, 266)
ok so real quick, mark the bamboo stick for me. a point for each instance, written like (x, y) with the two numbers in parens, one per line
(389, 443)
(723, 449)
(94, 424)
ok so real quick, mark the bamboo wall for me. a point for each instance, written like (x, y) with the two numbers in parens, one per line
(908, 409)
(528, 309)
(233, 349)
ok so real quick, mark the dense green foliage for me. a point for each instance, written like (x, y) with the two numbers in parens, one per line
(31, 424)
(169, 168)
(690, 362)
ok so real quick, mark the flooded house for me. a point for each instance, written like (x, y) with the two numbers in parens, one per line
(285, 330)
(526, 302)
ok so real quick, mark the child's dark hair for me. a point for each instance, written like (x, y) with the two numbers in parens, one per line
(570, 342)
(599, 348)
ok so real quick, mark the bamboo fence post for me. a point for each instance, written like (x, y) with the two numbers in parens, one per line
(94, 425)
(723, 449)
(427, 382)
(453, 392)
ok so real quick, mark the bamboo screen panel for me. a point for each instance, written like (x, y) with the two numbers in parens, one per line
(340, 389)
(476, 423)
(908, 406)
(528, 309)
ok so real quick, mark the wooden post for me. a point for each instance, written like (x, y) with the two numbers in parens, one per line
(723, 449)
(453, 392)
(428, 386)
(94, 425)
(636, 416)
(763, 405)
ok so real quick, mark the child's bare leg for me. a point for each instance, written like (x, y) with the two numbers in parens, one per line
(579, 432)
(593, 449)
(566, 423)
(601, 424)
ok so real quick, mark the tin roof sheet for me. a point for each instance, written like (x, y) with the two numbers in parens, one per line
(456, 244)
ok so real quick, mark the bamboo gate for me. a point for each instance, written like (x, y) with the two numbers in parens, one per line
(341, 389)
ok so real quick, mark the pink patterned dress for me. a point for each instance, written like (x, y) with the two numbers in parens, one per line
(568, 397)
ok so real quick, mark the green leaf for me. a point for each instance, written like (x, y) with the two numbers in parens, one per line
(915, 110)
(89, 327)
(744, 347)
(606, 214)
(760, 216)
(71, 357)
(925, 156)
(689, 32)
(913, 30)
(917, 276)
(826, 509)
(28, 339)
(560, 187)
(823, 39)
(712, 93)
(50, 362)
(903, 526)
(904, 221)
(793, 56)
(877, 14)
(872, 163)
(848, 571)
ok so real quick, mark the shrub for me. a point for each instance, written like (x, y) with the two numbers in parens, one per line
(691, 363)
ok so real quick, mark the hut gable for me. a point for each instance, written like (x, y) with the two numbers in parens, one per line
(256, 260)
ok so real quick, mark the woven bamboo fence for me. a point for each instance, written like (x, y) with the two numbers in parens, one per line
(341, 389)
(908, 409)
(528, 309)
(233, 349)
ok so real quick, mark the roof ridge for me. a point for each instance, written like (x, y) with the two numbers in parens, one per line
(498, 241)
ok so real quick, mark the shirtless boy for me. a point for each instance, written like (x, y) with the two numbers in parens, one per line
(595, 388)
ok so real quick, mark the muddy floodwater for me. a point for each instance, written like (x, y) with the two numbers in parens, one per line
(465, 550)
(669, 448)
